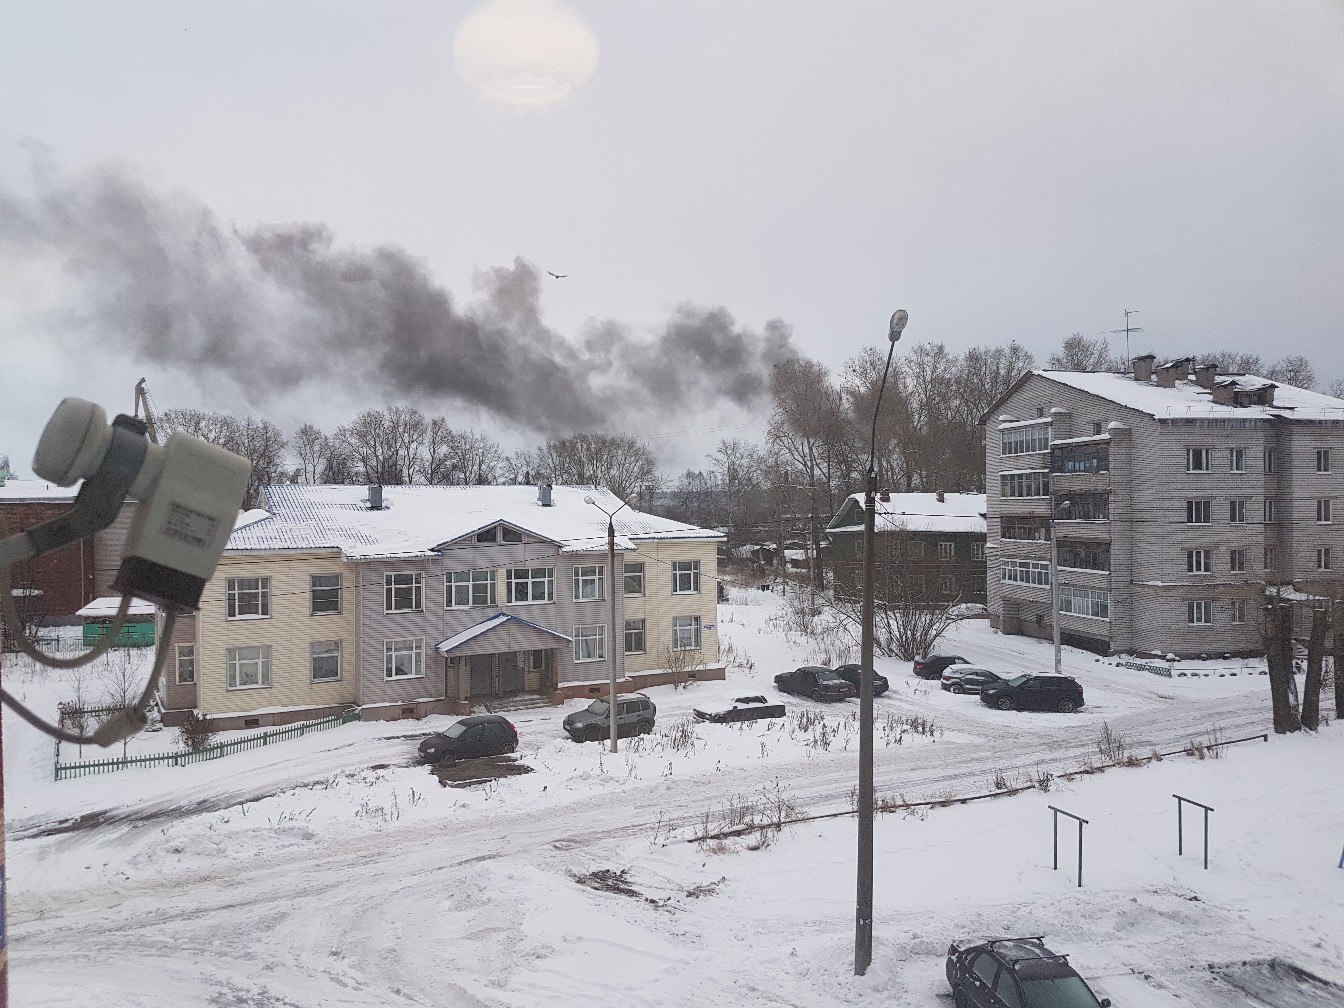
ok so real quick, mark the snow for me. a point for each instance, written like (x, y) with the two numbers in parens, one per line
(36, 490)
(108, 605)
(1189, 398)
(923, 512)
(485, 626)
(333, 870)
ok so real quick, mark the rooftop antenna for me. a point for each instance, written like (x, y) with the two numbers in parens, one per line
(1127, 330)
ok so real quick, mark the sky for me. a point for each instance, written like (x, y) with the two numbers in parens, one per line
(240, 202)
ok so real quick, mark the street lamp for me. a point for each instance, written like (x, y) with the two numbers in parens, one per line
(863, 906)
(611, 562)
(1054, 577)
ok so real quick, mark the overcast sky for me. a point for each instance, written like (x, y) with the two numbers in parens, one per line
(1003, 171)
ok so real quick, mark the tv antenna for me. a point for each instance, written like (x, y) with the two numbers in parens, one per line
(1127, 330)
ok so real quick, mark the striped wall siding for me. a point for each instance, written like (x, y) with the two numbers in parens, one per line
(659, 605)
(175, 695)
(108, 544)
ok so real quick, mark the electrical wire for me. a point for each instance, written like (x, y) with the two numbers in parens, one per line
(16, 631)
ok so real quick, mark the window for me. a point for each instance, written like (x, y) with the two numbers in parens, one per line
(977, 551)
(1236, 512)
(1237, 462)
(249, 598)
(1238, 610)
(685, 633)
(1323, 558)
(590, 643)
(487, 535)
(1271, 557)
(402, 593)
(1269, 509)
(509, 535)
(1236, 561)
(1199, 613)
(326, 660)
(589, 583)
(404, 658)
(249, 667)
(1025, 484)
(1025, 440)
(1025, 529)
(469, 588)
(1085, 556)
(1092, 458)
(186, 664)
(1197, 459)
(1006, 989)
(1197, 512)
(1198, 561)
(325, 590)
(634, 579)
(1270, 460)
(634, 636)
(1323, 460)
(685, 577)
(1090, 506)
(1040, 412)
(1032, 572)
(947, 586)
(1096, 426)
(527, 585)
(1323, 509)
(1085, 602)
(947, 550)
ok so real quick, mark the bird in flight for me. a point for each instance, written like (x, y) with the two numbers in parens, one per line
(558, 276)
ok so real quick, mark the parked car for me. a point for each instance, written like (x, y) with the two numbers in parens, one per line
(1015, 973)
(743, 708)
(815, 682)
(968, 678)
(850, 674)
(471, 738)
(1035, 692)
(635, 715)
(932, 666)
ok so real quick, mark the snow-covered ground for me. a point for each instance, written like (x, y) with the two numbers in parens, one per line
(333, 870)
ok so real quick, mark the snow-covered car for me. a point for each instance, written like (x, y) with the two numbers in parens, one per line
(743, 708)
(1016, 972)
(968, 678)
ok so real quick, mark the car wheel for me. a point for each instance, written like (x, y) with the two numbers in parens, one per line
(1004, 703)
(816, 695)
(594, 735)
(958, 688)
(644, 727)
(1067, 706)
(512, 747)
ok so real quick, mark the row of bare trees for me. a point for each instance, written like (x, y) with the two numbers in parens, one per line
(1293, 712)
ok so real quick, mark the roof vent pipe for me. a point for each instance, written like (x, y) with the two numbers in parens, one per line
(544, 494)
(1143, 367)
(375, 498)
(1205, 375)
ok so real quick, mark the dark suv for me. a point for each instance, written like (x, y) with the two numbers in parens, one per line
(932, 666)
(1035, 692)
(1015, 973)
(471, 738)
(635, 714)
(815, 682)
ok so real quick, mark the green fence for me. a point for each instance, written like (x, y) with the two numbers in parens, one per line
(65, 771)
(131, 634)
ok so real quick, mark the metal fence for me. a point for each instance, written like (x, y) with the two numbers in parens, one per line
(82, 768)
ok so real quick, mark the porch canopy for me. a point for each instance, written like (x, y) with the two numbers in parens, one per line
(501, 632)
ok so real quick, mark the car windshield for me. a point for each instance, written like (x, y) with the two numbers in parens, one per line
(829, 677)
(598, 707)
(1058, 992)
(455, 730)
(1018, 680)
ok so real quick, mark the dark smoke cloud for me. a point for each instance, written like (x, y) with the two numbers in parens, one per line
(281, 307)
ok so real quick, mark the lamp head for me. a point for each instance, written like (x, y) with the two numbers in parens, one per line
(898, 320)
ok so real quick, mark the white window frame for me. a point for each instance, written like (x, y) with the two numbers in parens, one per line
(258, 598)
(1236, 561)
(947, 585)
(687, 569)
(1018, 485)
(680, 626)
(1087, 602)
(590, 643)
(639, 628)
(313, 589)
(1236, 461)
(1199, 612)
(185, 660)
(1238, 610)
(1026, 572)
(1323, 511)
(977, 551)
(1031, 440)
(395, 647)
(1199, 561)
(947, 551)
(633, 570)
(590, 583)
(1322, 460)
(1236, 512)
(1199, 512)
(476, 588)
(1323, 558)
(322, 650)
(515, 577)
(236, 660)
(397, 582)
(1204, 455)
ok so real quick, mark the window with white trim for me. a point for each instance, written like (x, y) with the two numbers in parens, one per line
(469, 589)
(1323, 558)
(685, 577)
(1323, 510)
(186, 664)
(1237, 461)
(947, 550)
(404, 658)
(1025, 484)
(635, 642)
(1236, 561)
(249, 667)
(1198, 512)
(1322, 460)
(1025, 440)
(1236, 512)
(529, 585)
(403, 593)
(685, 633)
(1030, 572)
(590, 583)
(1237, 610)
(1199, 561)
(1198, 459)
(324, 594)
(947, 586)
(1199, 613)
(590, 643)
(977, 551)
(249, 598)
(1270, 509)
(1085, 602)
(325, 659)
(634, 579)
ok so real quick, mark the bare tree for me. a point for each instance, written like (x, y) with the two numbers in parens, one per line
(370, 446)
(1337, 388)
(1234, 362)
(1278, 641)
(1311, 685)
(812, 430)
(121, 683)
(258, 441)
(407, 429)
(313, 449)
(1079, 353)
(1293, 370)
(621, 464)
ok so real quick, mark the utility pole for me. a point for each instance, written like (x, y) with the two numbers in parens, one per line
(1127, 330)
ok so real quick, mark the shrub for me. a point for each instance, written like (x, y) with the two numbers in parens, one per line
(195, 733)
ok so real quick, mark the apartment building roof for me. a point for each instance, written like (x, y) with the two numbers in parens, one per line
(415, 519)
(923, 512)
(14, 489)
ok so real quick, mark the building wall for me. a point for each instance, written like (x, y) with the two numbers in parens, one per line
(177, 696)
(64, 576)
(895, 565)
(659, 605)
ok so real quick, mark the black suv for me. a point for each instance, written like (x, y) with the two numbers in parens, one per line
(815, 682)
(471, 738)
(932, 666)
(1015, 973)
(1035, 692)
(850, 674)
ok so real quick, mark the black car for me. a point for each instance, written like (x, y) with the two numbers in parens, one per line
(815, 682)
(850, 674)
(969, 678)
(932, 666)
(471, 738)
(1035, 692)
(1015, 973)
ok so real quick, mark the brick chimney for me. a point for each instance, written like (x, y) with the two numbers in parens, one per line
(1169, 372)
(1222, 392)
(1205, 375)
(1143, 367)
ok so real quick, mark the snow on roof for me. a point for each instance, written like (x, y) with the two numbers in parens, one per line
(924, 512)
(246, 518)
(1189, 398)
(416, 519)
(107, 607)
(35, 490)
(485, 626)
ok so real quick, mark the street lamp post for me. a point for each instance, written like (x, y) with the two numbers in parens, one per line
(611, 564)
(863, 906)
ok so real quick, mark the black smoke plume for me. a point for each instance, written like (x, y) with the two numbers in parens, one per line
(282, 307)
